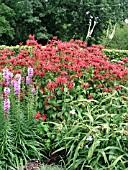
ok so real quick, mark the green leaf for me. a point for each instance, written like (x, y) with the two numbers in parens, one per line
(58, 150)
(92, 148)
(115, 162)
(65, 89)
(104, 155)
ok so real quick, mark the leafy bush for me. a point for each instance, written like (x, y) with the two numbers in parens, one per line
(119, 40)
(71, 108)
(115, 54)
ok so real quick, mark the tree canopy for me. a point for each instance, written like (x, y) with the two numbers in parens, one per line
(66, 19)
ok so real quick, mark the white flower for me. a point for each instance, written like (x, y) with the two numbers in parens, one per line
(126, 20)
(86, 147)
(72, 112)
(89, 138)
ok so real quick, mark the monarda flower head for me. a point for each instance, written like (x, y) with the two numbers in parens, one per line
(37, 116)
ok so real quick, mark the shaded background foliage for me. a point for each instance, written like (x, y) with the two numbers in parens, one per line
(66, 19)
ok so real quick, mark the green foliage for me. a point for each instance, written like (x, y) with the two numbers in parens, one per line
(115, 54)
(18, 140)
(48, 167)
(66, 19)
(106, 148)
(81, 107)
(119, 40)
(6, 19)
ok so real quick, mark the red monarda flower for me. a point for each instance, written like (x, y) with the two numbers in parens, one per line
(31, 37)
(105, 90)
(22, 96)
(62, 89)
(85, 85)
(21, 43)
(110, 90)
(44, 118)
(37, 116)
(3, 83)
(90, 96)
(99, 86)
(118, 87)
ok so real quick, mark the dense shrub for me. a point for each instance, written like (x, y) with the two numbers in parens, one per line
(119, 40)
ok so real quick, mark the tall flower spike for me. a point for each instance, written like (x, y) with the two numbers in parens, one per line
(30, 72)
(28, 80)
(6, 106)
(5, 73)
(16, 88)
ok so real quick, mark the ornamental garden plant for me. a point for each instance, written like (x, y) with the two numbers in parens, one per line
(64, 104)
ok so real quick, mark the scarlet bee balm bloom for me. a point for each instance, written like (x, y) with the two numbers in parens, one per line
(43, 117)
(38, 116)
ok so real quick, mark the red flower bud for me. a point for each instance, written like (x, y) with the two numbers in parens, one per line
(37, 116)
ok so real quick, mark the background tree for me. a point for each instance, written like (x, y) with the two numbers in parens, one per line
(6, 22)
(119, 40)
(67, 19)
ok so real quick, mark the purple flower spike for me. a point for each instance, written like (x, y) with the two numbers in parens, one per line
(89, 138)
(13, 82)
(7, 76)
(5, 73)
(10, 75)
(6, 90)
(30, 72)
(16, 88)
(7, 82)
(6, 105)
(28, 80)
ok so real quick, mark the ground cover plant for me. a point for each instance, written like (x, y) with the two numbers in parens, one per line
(63, 104)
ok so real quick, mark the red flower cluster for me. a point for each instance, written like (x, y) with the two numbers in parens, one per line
(39, 116)
(61, 63)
